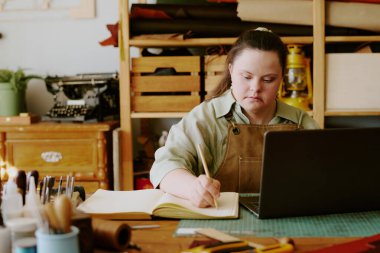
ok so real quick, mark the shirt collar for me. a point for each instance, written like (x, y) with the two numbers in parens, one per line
(284, 111)
(224, 103)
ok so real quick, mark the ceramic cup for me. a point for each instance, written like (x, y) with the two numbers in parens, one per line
(58, 243)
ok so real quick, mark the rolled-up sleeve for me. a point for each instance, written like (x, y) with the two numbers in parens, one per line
(204, 125)
(180, 147)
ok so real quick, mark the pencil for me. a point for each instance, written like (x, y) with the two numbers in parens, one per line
(205, 168)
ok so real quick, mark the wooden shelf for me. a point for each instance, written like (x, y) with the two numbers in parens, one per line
(352, 38)
(353, 113)
(141, 115)
(205, 42)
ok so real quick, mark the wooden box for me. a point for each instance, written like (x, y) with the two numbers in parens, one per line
(22, 119)
(177, 91)
(214, 68)
(352, 82)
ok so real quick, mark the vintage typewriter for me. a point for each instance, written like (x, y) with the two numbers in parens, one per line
(84, 97)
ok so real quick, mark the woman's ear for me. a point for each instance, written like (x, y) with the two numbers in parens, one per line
(230, 68)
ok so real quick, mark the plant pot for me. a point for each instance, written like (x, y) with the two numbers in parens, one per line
(11, 102)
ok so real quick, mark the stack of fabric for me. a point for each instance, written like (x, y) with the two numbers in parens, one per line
(349, 14)
(227, 18)
(230, 19)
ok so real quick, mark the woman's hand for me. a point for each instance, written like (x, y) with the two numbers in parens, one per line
(203, 191)
(200, 191)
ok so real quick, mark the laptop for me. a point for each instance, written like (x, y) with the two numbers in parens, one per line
(313, 172)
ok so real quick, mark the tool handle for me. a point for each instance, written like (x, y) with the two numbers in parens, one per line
(276, 248)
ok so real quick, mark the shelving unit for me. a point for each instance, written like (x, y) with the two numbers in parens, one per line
(318, 41)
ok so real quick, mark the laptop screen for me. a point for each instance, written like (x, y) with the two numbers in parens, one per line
(309, 172)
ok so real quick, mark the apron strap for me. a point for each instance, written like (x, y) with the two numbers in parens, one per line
(229, 117)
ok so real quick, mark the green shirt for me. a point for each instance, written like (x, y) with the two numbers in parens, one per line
(206, 125)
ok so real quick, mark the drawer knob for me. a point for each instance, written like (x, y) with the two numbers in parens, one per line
(51, 156)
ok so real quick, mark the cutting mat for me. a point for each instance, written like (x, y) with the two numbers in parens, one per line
(332, 225)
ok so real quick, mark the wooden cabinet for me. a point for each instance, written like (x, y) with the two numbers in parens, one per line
(318, 42)
(60, 149)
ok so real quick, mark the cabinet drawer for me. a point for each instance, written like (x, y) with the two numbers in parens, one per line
(53, 155)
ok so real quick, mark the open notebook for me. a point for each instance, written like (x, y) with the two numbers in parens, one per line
(143, 204)
(311, 172)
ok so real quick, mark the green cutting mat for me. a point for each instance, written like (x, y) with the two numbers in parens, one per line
(332, 225)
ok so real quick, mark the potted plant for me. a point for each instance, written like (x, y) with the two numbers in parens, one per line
(13, 86)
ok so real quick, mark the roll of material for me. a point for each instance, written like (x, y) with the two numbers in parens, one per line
(212, 28)
(209, 28)
(351, 15)
(111, 235)
(189, 11)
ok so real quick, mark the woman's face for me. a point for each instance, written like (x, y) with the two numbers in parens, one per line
(256, 76)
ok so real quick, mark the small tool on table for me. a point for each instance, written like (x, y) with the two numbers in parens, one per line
(50, 186)
(67, 185)
(21, 184)
(59, 214)
(59, 186)
(43, 190)
(229, 243)
(35, 174)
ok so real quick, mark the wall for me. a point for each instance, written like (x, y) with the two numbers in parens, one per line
(52, 43)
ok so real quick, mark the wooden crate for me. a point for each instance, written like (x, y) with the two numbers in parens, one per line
(214, 67)
(165, 93)
(352, 82)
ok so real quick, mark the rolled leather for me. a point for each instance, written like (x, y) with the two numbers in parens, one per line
(226, 28)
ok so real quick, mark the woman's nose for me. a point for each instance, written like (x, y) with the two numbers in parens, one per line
(255, 85)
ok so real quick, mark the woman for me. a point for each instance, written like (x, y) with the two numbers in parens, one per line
(230, 126)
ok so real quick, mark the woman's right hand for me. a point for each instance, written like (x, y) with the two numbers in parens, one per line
(204, 191)
(201, 191)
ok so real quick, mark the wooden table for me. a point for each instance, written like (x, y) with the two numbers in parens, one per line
(162, 239)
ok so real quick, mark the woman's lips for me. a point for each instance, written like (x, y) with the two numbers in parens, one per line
(254, 98)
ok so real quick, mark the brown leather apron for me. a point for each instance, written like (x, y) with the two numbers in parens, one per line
(240, 170)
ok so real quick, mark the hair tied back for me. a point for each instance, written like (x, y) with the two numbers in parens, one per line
(263, 29)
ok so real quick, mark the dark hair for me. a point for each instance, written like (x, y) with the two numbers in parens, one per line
(261, 39)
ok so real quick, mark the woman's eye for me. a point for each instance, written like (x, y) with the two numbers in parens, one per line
(268, 80)
(246, 77)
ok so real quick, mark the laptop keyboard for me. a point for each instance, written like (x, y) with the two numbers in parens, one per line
(251, 203)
